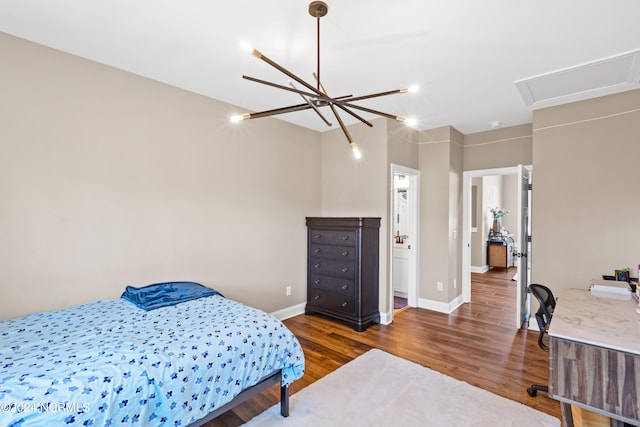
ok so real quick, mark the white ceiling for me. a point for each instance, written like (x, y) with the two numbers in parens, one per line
(466, 55)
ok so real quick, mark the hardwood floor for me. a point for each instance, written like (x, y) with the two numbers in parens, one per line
(478, 344)
(399, 302)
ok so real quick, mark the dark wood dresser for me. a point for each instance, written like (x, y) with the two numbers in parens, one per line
(342, 269)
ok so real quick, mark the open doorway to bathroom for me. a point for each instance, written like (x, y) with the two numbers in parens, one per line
(404, 237)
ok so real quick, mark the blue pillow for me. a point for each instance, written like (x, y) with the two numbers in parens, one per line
(166, 294)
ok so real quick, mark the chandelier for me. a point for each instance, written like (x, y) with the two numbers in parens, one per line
(315, 96)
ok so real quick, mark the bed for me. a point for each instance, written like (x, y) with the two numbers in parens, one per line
(111, 362)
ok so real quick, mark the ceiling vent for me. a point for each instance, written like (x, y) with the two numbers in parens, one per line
(602, 77)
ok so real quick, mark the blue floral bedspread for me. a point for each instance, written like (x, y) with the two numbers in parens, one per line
(109, 363)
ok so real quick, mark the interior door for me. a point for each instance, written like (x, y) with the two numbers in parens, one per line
(522, 248)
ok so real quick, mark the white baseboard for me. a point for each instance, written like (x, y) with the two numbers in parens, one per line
(385, 318)
(288, 312)
(482, 269)
(442, 307)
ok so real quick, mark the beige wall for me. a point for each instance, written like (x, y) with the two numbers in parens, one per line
(402, 145)
(434, 153)
(359, 188)
(441, 165)
(510, 202)
(586, 158)
(108, 179)
(505, 147)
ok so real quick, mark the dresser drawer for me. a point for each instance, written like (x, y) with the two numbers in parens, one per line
(332, 237)
(333, 284)
(326, 267)
(333, 252)
(331, 301)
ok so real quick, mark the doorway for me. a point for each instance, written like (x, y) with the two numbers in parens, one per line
(476, 219)
(404, 232)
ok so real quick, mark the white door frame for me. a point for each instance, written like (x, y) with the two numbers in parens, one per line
(467, 178)
(413, 196)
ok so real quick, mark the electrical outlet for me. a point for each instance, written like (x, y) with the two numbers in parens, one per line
(440, 286)
(454, 284)
(288, 291)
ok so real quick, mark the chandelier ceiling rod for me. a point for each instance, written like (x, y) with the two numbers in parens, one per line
(316, 96)
(318, 9)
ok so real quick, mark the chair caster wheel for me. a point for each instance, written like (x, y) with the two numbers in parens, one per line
(532, 392)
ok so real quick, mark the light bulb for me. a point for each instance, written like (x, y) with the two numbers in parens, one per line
(354, 147)
(412, 122)
(239, 118)
(414, 89)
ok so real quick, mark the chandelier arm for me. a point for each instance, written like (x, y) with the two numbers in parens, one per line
(312, 105)
(343, 97)
(352, 143)
(348, 104)
(338, 118)
(346, 110)
(276, 85)
(375, 95)
(342, 126)
(275, 111)
(369, 110)
(283, 70)
(322, 97)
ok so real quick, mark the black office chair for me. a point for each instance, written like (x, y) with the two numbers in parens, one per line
(543, 316)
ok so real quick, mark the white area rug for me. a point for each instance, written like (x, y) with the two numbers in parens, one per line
(379, 389)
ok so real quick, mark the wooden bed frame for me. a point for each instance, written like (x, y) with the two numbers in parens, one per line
(247, 394)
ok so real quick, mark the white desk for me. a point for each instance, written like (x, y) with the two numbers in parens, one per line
(595, 356)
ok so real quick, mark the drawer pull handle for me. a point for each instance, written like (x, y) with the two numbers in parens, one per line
(345, 237)
(316, 250)
(344, 270)
(317, 236)
(317, 266)
(345, 253)
(316, 297)
(317, 281)
(344, 304)
(345, 287)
